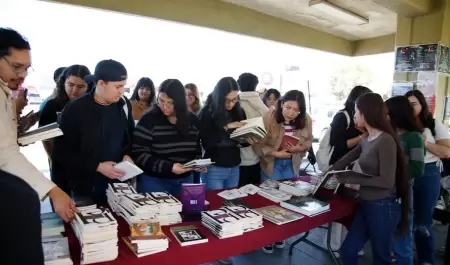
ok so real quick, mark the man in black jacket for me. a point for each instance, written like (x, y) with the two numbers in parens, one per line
(21, 222)
(97, 131)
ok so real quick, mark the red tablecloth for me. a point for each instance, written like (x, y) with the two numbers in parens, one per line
(341, 209)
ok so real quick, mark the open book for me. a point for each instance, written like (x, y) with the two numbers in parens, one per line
(331, 173)
(288, 139)
(254, 128)
(40, 134)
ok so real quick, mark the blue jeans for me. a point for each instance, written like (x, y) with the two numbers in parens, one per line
(375, 221)
(151, 184)
(426, 194)
(403, 245)
(282, 169)
(217, 178)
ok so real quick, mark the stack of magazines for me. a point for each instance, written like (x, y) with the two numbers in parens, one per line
(96, 229)
(40, 134)
(222, 223)
(296, 188)
(253, 128)
(54, 245)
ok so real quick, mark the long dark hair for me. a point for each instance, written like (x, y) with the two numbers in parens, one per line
(145, 82)
(216, 103)
(270, 92)
(194, 90)
(77, 70)
(175, 90)
(353, 96)
(297, 96)
(374, 110)
(401, 114)
(425, 117)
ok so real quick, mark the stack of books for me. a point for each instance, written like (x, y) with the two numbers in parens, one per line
(96, 229)
(253, 128)
(146, 239)
(40, 134)
(306, 205)
(222, 223)
(150, 207)
(274, 194)
(297, 188)
(54, 245)
(250, 219)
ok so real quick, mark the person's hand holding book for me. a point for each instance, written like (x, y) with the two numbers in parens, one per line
(252, 140)
(63, 204)
(234, 125)
(179, 169)
(283, 154)
(295, 148)
(108, 170)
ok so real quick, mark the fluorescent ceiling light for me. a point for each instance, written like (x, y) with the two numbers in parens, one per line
(338, 12)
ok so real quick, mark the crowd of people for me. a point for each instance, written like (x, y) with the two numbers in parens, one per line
(397, 143)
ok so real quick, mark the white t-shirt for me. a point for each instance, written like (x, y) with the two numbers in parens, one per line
(441, 133)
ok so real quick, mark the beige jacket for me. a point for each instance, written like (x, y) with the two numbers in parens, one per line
(11, 160)
(272, 142)
(253, 107)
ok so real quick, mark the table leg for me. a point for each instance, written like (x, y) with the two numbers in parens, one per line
(329, 249)
(447, 247)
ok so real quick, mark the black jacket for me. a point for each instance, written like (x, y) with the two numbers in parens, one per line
(216, 142)
(340, 134)
(76, 154)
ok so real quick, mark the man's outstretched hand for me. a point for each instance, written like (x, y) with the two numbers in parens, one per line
(63, 204)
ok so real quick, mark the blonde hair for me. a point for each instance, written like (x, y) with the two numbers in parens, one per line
(197, 105)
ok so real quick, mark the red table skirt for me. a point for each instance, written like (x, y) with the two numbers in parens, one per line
(341, 210)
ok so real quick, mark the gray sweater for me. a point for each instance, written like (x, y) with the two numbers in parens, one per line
(378, 158)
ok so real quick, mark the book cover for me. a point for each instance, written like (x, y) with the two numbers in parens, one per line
(146, 231)
(288, 139)
(193, 197)
(188, 235)
(278, 215)
(307, 204)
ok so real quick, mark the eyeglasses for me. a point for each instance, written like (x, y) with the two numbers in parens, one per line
(231, 101)
(162, 103)
(19, 69)
(291, 110)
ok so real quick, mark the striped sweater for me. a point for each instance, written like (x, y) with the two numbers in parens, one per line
(414, 150)
(157, 145)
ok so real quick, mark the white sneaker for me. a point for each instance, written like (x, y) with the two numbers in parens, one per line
(268, 249)
(280, 244)
(361, 253)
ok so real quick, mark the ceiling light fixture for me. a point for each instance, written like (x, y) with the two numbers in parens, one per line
(338, 12)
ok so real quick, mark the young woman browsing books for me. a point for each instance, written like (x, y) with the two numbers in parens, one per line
(289, 136)
(384, 195)
(165, 138)
(220, 116)
(401, 115)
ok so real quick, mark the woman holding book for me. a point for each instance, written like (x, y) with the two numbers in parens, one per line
(289, 136)
(383, 190)
(165, 138)
(401, 115)
(220, 116)
(427, 187)
(69, 86)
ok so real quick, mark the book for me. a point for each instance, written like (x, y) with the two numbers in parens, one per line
(288, 139)
(188, 235)
(306, 205)
(130, 169)
(40, 134)
(254, 128)
(198, 163)
(278, 215)
(193, 197)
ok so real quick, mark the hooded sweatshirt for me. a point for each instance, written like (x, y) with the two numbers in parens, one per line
(253, 107)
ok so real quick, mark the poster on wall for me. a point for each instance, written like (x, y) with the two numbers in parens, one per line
(416, 58)
(426, 83)
(444, 59)
(400, 89)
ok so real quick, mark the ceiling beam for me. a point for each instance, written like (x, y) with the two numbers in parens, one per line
(227, 17)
